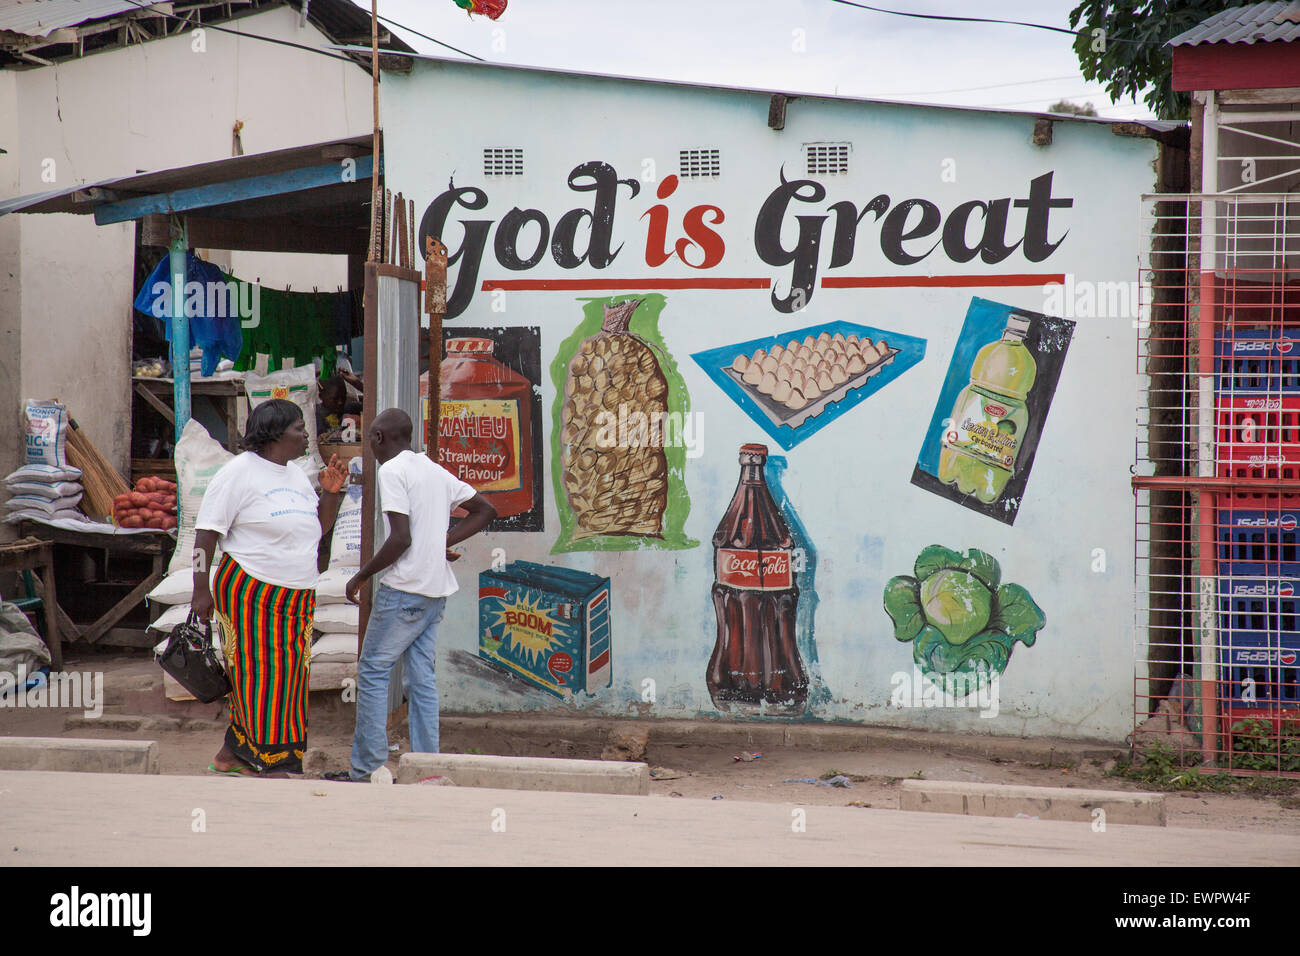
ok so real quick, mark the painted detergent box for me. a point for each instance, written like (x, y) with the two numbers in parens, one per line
(547, 625)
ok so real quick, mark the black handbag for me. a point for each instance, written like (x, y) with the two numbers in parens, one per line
(191, 658)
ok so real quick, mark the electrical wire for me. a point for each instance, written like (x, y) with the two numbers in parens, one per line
(425, 36)
(1014, 23)
(147, 5)
(993, 86)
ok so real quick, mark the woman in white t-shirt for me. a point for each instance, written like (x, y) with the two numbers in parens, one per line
(261, 508)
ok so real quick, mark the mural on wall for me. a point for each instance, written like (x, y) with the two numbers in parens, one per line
(755, 668)
(548, 626)
(980, 444)
(958, 615)
(622, 432)
(490, 424)
(796, 383)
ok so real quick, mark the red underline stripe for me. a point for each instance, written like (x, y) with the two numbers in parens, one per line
(885, 282)
(830, 282)
(551, 285)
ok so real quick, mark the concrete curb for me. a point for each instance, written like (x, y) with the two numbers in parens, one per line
(1044, 803)
(527, 773)
(79, 756)
(744, 735)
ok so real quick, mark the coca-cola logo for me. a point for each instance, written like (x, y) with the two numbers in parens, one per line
(994, 410)
(742, 563)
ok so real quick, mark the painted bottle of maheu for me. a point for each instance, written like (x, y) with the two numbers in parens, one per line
(755, 667)
(485, 430)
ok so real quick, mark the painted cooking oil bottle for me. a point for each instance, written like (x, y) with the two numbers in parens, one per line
(989, 419)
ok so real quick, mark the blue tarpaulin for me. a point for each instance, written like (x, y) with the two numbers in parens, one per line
(212, 304)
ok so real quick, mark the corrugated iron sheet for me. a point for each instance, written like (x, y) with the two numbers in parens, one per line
(40, 18)
(1257, 23)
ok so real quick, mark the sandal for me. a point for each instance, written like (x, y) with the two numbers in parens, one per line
(232, 772)
(344, 776)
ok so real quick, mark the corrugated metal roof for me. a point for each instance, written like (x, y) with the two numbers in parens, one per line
(40, 18)
(189, 177)
(1257, 23)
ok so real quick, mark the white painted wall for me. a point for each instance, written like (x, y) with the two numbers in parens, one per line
(850, 483)
(146, 107)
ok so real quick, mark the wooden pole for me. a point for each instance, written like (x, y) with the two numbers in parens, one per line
(370, 374)
(435, 304)
(375, 198)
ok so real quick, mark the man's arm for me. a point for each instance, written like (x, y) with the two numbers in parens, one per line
(481, 512)
(398, 540)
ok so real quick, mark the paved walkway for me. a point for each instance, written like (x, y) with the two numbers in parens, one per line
(107, 819)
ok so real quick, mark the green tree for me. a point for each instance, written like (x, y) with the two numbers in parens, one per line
(1065, 106)
(1123, 44)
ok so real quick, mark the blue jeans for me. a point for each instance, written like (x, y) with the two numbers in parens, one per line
(403, 627)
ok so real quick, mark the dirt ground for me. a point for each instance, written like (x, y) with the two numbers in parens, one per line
(188, 738)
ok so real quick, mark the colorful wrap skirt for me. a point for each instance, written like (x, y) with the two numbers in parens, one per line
(266, 636)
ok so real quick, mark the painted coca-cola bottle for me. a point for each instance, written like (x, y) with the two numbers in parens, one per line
(755, 667)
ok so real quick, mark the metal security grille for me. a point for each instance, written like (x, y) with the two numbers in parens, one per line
(699, 162)
(1217, 481)
(499, 161)
(826, 159)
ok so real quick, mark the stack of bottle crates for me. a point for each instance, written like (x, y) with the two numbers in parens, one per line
(1257, 397)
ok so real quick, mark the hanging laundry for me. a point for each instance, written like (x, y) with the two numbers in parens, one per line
(212, 303)
(292, 326)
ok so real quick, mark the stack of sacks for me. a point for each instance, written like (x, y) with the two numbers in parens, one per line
(336, 618)
(151, 505)
(198, 458)
(46, 486)
(43, 492)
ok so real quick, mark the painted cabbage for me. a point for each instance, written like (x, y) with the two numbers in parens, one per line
(958, 615)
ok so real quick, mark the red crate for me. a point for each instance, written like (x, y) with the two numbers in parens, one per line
(1247, 426)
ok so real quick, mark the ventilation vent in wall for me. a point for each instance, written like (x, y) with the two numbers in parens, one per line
(826, 159)
(498, 161)
(700, 162)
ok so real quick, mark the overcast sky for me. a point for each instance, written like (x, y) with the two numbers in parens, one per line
(755, 43)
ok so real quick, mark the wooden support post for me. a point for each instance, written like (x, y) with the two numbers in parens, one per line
(369, 486)
(435, 304)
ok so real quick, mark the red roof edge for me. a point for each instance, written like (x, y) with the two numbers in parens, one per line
(1236, 66)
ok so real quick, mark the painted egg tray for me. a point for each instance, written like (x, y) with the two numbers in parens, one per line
(793, 418)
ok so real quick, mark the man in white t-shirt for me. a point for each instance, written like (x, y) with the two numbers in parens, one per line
(416, 496)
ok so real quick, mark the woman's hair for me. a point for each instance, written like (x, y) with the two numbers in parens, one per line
(268, 422)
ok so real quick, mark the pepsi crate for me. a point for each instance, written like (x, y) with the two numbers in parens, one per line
(1259, 642)
(1258, 543)
(1265, 361)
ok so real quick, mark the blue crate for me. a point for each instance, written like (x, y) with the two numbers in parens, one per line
(1257, 361)
(1259, 642)
(1259, 543)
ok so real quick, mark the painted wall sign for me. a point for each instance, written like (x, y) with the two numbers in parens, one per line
(910, 230)
(958, 615)
(835, 317)
(622, 432)
(490, 434)
(980, 444)
(796, 383)
(548, 626)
